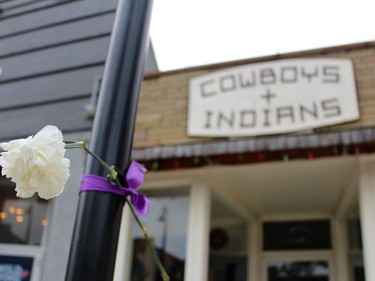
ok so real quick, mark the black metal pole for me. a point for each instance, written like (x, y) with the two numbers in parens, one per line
(95, 236)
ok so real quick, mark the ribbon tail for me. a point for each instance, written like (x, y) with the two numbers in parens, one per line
(140, 203)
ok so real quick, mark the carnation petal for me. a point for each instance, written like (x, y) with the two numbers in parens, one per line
(37, 164)
(49, 194)
(12, 144)
(51, 138)
(24, 193)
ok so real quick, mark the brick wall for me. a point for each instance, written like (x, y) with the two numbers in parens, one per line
(162, 112)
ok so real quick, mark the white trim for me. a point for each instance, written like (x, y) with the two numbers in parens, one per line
(367, 213)
(197, 252)
(295, 217)
(340, 248)
(123, 264)
(254, 250)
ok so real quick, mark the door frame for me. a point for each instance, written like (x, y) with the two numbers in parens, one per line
(297, 255)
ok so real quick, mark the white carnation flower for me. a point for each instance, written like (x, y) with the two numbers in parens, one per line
(37, 163)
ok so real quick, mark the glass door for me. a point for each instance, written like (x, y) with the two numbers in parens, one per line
(298, 270)
(297, 251)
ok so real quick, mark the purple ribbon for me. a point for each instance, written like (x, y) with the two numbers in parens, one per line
(133, 180)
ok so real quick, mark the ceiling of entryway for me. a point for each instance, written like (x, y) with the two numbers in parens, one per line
(321, 186)
(295, 187)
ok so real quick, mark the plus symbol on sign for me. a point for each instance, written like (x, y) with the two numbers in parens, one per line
(268, 96)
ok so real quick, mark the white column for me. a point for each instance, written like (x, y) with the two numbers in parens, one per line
(124, 247)
(253, 251)
(341, 249)
(197, 253)
(367, 213)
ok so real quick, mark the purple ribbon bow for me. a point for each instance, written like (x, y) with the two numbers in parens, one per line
(133, 180)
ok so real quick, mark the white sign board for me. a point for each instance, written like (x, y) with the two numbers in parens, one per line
(272, 98)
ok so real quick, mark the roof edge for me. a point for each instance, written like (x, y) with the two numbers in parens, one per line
(325, 50)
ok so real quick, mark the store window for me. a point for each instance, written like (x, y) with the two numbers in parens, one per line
(167, 226)
(357, 269)
(228, 244)
(22, 221)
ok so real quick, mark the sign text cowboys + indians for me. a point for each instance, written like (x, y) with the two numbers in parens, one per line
(273, 97)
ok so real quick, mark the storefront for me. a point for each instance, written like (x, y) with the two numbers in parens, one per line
(259, 170)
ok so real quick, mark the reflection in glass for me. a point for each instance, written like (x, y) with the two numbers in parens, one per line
(228, 244)
(166, 222)
(298, 271)
(297, 235)
(21, 220)
(358, 270)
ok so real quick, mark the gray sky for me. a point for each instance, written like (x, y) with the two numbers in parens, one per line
(197, 32)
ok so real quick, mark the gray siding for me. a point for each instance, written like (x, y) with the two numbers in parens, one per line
(50, 53)
(20, 7)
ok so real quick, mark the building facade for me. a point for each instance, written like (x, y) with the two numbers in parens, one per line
(260, 169)
(243, 186)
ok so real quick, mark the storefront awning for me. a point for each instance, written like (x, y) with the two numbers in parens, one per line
(261, 144)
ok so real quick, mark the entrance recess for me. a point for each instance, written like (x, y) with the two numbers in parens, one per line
(296, 215)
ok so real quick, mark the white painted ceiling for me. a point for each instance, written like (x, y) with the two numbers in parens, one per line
(295, 187)
(269, 189)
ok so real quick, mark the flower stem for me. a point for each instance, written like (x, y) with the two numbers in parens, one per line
(142, 227)
(104, 164)
(113, 171)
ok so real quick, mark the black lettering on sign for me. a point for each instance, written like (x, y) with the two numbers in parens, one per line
(289, 74)
(285, 112)
(227, 83)
(331, 107)
(226, 120)
(267, 76)
(208, 119)
(309, 74)
(311, 112)
(248, 118)
(206, 92)
(266, 117)
(331, 74)
(247, 81)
